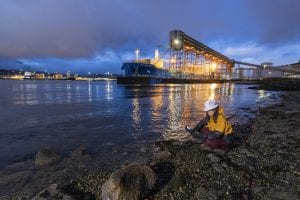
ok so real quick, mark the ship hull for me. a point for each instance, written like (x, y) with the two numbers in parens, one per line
(135, 69)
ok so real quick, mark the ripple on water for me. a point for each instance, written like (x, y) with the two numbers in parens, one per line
(115, 122)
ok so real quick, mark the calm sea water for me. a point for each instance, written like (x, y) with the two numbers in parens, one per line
(113, 121)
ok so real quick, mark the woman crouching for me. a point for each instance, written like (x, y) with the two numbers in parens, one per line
(214, 130)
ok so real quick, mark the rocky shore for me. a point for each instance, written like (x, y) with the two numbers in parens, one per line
(277, 84)
(263, 164)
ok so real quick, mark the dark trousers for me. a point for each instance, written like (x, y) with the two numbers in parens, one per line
(204, 134)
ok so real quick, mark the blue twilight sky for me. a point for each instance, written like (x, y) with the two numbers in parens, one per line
(98, 35)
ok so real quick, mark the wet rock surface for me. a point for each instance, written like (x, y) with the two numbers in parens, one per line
(46, 157)
(52, 193)
(24, 180)
(163, 155)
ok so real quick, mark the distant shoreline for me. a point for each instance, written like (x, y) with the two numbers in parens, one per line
(46, 79)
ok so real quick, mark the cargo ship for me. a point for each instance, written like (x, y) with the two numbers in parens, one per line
(146, 68)
(142, 69)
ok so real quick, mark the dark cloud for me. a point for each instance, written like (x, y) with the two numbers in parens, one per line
(69, 28)
(76, 28)
(275, 21)
(83, 29)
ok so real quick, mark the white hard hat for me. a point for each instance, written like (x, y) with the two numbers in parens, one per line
(210, 104)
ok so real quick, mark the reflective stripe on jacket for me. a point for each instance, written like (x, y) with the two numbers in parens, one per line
(221, 124)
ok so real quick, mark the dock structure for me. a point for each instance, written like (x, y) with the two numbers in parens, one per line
(187, 60)
(190, 58)
(265, 70)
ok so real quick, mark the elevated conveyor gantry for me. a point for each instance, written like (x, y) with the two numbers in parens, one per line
(190, 55)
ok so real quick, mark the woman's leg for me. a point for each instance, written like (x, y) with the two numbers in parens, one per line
(215, 135)
(200, 125)
(197, 128)
(202, 134)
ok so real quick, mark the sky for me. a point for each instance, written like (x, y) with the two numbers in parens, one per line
(98, 35)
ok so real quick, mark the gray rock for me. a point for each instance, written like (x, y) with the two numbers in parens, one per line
(224, 164)
(163, 155)
(247, 153)
(204, 194)
(218, 168)
(132, 182)
(52, 193)
(205, 147)
(46, 157)
(152, 163)
(79, 152)
(179, 143)
(220, 152)
(292, 113)
(245, 162)
(15, 177)
(213, 158)
(278, 136)
(283, 195)
(257, 189)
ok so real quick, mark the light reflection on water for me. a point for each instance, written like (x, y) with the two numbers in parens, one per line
(64, 114)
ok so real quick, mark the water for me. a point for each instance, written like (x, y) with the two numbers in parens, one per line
(115, 122)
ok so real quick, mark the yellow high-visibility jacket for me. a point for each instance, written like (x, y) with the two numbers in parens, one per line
(221, 125)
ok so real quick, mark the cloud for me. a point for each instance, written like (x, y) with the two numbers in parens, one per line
(253, 53)
(275, 21)
(101, 32)
(76, 28)
(109, 60)
(249, 49)
(66, 29)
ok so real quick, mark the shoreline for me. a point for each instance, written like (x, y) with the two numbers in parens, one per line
(263, 166)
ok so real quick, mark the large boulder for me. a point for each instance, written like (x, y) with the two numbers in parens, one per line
(131, 182)
(46, 157)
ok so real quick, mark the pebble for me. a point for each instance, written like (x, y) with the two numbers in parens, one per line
(218, 168)
(213, 158)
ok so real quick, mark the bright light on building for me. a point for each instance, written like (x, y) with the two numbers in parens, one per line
(137, 52)
(176, 42)
(213, 66)
(156, 54)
